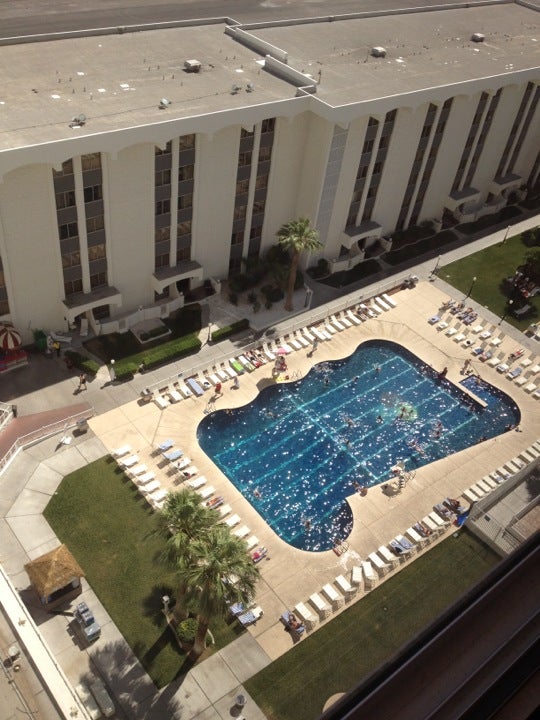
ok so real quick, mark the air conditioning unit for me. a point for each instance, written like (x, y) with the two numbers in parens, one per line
(378, 51)
(478, 37)
(192, 66)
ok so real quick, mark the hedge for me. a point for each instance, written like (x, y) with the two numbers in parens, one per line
(229, 330)
(152, 357)
(414, 251)
(82, 362)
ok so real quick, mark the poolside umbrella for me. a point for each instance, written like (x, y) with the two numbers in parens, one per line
(9, 338)
(281, 351)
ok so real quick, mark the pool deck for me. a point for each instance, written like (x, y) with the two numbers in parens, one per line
(290, 576)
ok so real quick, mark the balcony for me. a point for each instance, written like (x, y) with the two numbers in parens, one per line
(353, 234)
(467, 195)
(504, 184)
(79, 303)
(165, 276)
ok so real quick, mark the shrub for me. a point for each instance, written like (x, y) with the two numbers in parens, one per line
(152, 357)
(229, 330)
(272, 294)
(239, 283)
(277, 254)
(83, 363)
(252, 297)
(233, 298)
(186, 630)
(256, 306)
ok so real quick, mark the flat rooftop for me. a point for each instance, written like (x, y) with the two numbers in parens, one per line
(424, 49)
(117, 81)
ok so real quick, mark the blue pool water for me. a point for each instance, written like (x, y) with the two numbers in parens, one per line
(303, 445)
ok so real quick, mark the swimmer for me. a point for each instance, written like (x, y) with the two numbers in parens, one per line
(377, 370)
(257, 493)
(307, 524)
(326, 380)
(349, 421)
(355, 379)
(379, 419)
(347, 442)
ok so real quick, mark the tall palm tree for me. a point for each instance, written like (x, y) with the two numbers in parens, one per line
(184, 517)
(218, 572)
(296, 236)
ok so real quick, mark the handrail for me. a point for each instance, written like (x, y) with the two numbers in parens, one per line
(42, 433)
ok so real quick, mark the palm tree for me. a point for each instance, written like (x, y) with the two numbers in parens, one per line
(217, 572)
(296, 236)
(184, 517)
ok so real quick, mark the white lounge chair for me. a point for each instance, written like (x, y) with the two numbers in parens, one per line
(224, 510)
(336, 323)
(252, 542)
(121, 451)
(345, 586)
(161, 401)
(174, 394)
(197, 482)
(232, 521)
(242, 532)
(335, 599)
(344, 320)
(307, 617)
(496, 341)
(416, 538)
(380, 566)
(309, 336)
(206, 492)
(451, 331)
(320, 606)
(354, 318)
(186, 392)
(137, 470)
(302, 339)
(130, 461)
(370, 579)
(356, 576)
(387, 556)
(381, 303)
(459, 337)
(145, 478)
(389, 300)
(150, 487)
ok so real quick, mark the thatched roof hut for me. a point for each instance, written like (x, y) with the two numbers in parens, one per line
(55, 576)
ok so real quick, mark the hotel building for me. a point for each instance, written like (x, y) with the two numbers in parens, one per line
(138, 163)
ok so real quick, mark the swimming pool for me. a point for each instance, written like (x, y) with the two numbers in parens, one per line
(304, 444)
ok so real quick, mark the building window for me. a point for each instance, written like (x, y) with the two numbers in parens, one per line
(185, 201)
(92, 193)
(91, 162)
(245, 133)
(72, 286)
(162, 261)
(242, 187)
(165, 151)
(4, 307)
(372, 122)
(235, 266)
(265, 153)
(268, 125)
(94, 224)
(258, 207)
(261, 182)
(186, 172)
(98, 280)
(71, 259)
(65, 199)
(67, 169)
(240, 212)
(163, 207)
(237, 238)
(244, 159)
(183, 255)
(187, 142)
(368, 147)
(97, 252)
(68, 230)
(162, 234)
(102, 312)
(163, 177)
(183, 228)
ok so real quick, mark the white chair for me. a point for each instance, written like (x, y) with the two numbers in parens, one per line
(354, 318)
(370, 578)
(130, 461)
(416, 538)
(336, 323)
(123, 450)
(149, 487)
(145, 478)
(137, 470)
(388, 557)
(197, 482)
(389, 300)
(252, 542)
(206, 492)
(232, 521)
(381, 303)
(345, 586)
(161, 402)
(335, 599)
(174, 394)
(320, 606)
(307, 617)
(356, 576)
(224, 510)
(186, 392)
(242, 532)
(380, 566)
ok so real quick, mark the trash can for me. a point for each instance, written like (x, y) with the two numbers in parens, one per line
(14, 410)
(82, 425)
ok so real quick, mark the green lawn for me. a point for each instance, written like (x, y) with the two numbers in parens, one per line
(110, 529)
(490, 267)
(342, 653)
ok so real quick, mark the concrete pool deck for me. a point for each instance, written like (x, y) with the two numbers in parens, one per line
(290, 576)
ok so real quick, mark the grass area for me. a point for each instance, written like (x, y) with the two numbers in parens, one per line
(490, 267)
(342, 653)
(110, 529)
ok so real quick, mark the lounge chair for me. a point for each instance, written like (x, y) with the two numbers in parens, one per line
(242, 532)
(129, 461)
(305, 615)
(387, 556)
(144, 478)
(335, 599)
(486, 355)
(150, 487)
(302, 339)
(496, 342)
(215, 502)
(194, 386)
(189, 472)
(381, 303)
(320, 606)
(249, 366)
(485, 335)
(380, 566)
(398, 548)
(137, 470)
(502, 367)
(292, 625)
(309, 336)
(83, 330)
(158, 497)
(122, 450)
(434, 319)
(252, 541)
(405, 544)
(356, 576)
(530, 388)
(477, 329)
(259, 554)
(370, 578)
(165, 445)
(197, 483)
(514, 373)
(232, 521)
(206, 492)
(354, 318)
(174, 395)
(336, 323)
(451, 331)
(373, 306)
(344, 320)
(186, 392)
(345, 586)
(438, 520)
(416, 538)
(387, 298)
(269, 354)
(296, 344)
(494, 361)
(249, 617)
(224, 510)
(172, 455)
(460, 337)
(183, 463)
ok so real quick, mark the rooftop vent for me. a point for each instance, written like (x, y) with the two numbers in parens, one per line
(164, 103)
(78, 121)
(192, 66)
(235, 89)
(478, 37)
(378, 51)
(250, 87)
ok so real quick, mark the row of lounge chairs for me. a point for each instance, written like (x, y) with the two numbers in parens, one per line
(365, 575)
(490, 482)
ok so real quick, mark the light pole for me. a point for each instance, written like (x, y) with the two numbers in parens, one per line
(505, 235)
(471, 288)
(507, 311)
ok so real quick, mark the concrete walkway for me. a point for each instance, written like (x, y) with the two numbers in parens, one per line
(208, 691)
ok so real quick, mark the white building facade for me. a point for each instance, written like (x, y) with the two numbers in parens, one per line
(126, 181)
